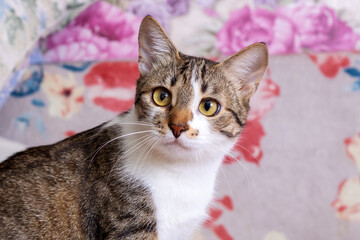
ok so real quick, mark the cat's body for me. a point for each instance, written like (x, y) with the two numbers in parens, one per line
(150, 172)
(55, 192)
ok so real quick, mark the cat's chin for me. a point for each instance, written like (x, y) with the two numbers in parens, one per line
(178, 145)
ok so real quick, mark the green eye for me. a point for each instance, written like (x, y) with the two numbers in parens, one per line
(161, 97)
(209, 107)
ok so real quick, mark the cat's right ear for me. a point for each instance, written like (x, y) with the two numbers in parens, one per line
(246, 68)
(155, 47)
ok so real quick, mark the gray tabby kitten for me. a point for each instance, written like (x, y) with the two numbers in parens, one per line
(150, 172)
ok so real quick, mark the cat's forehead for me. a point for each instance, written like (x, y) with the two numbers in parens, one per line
(202, 73)
(180, 72)
(194, 67)
(196, 71)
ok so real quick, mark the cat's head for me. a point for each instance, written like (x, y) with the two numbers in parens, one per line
(193, 103)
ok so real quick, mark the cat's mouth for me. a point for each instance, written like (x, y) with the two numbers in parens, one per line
(176, 143)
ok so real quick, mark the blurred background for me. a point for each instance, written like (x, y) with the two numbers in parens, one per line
(69, 65)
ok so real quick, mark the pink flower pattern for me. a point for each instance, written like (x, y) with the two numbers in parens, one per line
(347, 202)
(246, 26)
(353, 149)
(286, 30)
(111, 85)
(216, 210)
(101, 32)
(330, 64)
(104, 31)
(65, 96)
(319, 28)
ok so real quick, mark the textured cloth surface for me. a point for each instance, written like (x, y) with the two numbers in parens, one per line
(208, 28)
(297, 170)
(22, 23)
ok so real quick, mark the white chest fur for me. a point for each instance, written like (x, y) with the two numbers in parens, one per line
(181, 201)
(181, 194)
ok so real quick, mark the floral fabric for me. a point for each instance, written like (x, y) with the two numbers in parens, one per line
(294, 173)
(101, 32)
(217, 29)
(288, 177)
(213, 29)
(22, 23)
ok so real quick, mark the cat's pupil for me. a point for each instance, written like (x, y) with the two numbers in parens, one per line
(163, 96)
(207, 105)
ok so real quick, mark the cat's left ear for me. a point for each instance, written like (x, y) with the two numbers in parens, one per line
(246, 68)
(155, 47)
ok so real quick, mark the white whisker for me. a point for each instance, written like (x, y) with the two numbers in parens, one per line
(116, 138)
(249, 176)
(247, 151)
(136, 123)
(247, 173)
(128, 151)
(147, 149)
(227, 182)
(136, 146)
(144, 143)
(152, 146)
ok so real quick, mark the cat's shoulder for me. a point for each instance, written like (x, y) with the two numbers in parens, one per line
(34, 157)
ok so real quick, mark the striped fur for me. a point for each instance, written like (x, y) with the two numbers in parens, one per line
(67, 191)
(231, 119)
(133, 177)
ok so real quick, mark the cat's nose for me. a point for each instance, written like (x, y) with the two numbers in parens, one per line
(177, 129)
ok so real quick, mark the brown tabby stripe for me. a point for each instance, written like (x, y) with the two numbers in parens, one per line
(70, 190)
(173, 80)
(227, 134)
(204, 86)
(236, 117)
(203, 71)
(138, 97)
(137, 230)
(184, 67)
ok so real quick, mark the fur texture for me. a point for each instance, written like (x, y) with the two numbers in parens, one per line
(147, 174)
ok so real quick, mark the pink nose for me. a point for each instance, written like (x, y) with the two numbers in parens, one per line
(177, 129)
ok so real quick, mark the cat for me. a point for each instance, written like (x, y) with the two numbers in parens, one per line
(150, 172)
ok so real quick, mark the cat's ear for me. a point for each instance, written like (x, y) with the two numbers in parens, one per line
(155, 47)
(246, 68)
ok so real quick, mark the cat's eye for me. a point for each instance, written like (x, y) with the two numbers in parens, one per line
(209, 107)
(161, 97)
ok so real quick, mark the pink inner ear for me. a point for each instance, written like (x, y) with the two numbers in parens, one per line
(154, 45)
(249, 64)
(246, 68)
